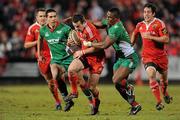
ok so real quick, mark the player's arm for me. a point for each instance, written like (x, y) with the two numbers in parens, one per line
(67, 20)
(162, 39)
(39, 47)
(99, 25)
(133, 38)
(30, 44)
(134, 34)
(101, 45)
(30, 39)
(80, 53)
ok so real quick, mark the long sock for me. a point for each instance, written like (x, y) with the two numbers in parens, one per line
(53, 88)
(87, 92)
(163, 86)
(155, 90)
(62, 88)
(73, 82)
(122, 89)
(95, 93)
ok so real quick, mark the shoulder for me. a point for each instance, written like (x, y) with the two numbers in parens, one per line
(34, 27)
(117, 27)
(140, 24)
(43, 28)
(159, 22)
(90, 27)
(64, 27)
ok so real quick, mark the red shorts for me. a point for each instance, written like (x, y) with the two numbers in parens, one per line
(161, 62)
(44, 66)
(95, 67)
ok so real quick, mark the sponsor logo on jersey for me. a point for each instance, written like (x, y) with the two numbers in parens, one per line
(59, 31)
(154, 26)
(52, 41)
(46, 34)
(164, 31)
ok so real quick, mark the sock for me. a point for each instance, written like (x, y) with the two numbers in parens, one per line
(95, 93)
(155, 90)
(53, 88)
(122, 89)
(73, 82)
(163, 85)
(62, 87)
(87, 92)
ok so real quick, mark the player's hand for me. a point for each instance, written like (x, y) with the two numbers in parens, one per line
(88, 44)
(70, 42)
(146, 35)
(78, 54)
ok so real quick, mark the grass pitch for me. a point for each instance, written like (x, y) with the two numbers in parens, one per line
(34, 102)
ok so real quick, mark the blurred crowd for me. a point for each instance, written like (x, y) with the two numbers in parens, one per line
(17, 15)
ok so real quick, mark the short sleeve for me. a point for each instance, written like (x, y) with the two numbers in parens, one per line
(114, 33)
(104, 22)
(162, 29)
(29, 36)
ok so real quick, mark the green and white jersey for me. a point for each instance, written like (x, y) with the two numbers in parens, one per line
(122, 43)
(56, 40)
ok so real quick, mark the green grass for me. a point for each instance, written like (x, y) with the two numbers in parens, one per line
(34, 102)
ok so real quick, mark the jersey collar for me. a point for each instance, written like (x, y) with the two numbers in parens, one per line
(52, 29)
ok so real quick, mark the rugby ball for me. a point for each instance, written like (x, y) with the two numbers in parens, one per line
(73, 37)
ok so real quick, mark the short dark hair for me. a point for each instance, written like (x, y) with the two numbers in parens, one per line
(152, 6)
(39, 10)
(50, 10)
(115, 11)
(78, 17)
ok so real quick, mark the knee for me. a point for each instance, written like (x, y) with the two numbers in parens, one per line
(92, 86)
(115, 80)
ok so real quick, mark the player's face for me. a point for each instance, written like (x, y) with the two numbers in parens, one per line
(148, 14)
(78, 26)
(110, 18)
(41, 17)
(52, 18)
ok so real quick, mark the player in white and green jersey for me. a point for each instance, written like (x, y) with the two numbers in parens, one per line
(56, 35)
(127, 59)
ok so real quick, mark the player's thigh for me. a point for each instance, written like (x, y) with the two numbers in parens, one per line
(151, 69)
(122, 68)
(76, 65)
(57, 69)
(54, 68)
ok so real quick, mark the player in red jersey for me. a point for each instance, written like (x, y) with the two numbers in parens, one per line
(154, 55)
(85, 58)
(31, 41)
